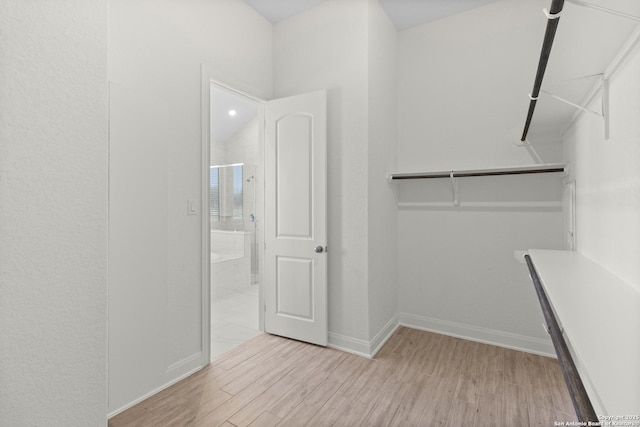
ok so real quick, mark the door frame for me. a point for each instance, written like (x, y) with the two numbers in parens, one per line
(207, 80)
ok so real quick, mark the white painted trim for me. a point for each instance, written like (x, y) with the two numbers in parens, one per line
(187, 361)
(474, 333)
(364, 348)
(208, 78)
(383, 336)
(261, 215)
(349, 344)
(152, 392)
(205, 237)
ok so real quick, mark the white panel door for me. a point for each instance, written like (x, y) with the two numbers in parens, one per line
(295, 288)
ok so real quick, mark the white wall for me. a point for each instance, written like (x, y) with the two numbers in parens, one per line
(349, 48)
(243, 146)
(607, 182)
(457, 270)
(156, 50)
(382, 233)
(607, 176)
(326, 48)
(53, 213)
(461, 104)
(457, 109)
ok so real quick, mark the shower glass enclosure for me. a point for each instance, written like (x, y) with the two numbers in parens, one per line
(234, 263)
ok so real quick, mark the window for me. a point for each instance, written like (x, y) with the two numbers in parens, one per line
(226, 196)
(214, 194)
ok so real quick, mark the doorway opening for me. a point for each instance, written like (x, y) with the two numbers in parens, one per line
(236, 198)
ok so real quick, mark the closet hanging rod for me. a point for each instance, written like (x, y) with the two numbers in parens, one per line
(579, 397)
(552, 25)
(517, 170)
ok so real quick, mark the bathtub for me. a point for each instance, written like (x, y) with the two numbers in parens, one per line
(230, 262)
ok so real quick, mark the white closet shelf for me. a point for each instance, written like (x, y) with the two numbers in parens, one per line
(513, 170)
(599, 315)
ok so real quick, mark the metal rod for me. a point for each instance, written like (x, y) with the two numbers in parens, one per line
(579, 397)
(464, 174)
(513, 172)
(549, 35)
(420, 176)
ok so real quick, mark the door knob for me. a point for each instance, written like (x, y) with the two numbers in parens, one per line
(319, 249)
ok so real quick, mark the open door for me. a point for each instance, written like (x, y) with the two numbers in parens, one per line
(295, 276)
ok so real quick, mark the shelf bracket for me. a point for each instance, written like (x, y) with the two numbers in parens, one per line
(579, 107)
(605, 104)
(605, 10)
(454, 184)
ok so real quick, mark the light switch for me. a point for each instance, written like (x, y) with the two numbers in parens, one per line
(192, 207)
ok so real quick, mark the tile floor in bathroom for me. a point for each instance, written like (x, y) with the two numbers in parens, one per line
(234, 319)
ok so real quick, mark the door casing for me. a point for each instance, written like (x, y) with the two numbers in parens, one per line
(207, 80)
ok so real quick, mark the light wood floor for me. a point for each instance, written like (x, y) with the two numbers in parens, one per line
(417, 379)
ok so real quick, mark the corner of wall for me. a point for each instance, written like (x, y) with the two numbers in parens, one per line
(365, 348)
(483, 335)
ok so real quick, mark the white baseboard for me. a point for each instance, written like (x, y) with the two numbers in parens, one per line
(385, 333)
(369, 349)
(349, 344)
(194, 360)
(364, 348)
(473, 333)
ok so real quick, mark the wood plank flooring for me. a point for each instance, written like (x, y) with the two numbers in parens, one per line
(417, 379)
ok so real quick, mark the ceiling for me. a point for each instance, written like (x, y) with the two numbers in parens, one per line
(403, 13)
(409, 13)
(278, 10)
(224, 125)
(586, 43)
